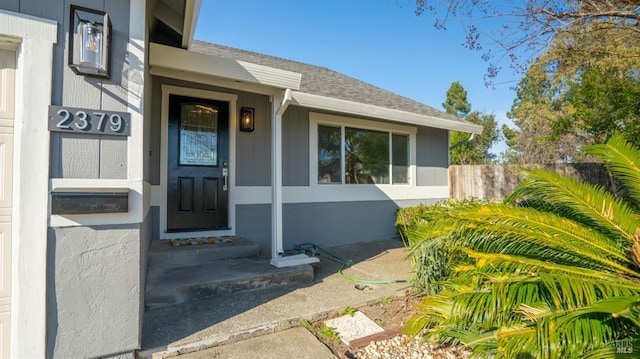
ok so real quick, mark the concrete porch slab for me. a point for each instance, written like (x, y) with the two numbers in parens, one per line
(230, 318)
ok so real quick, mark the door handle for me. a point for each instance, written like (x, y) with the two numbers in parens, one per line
(225, 176)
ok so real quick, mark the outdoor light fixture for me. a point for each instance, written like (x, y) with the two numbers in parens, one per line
(246, 119)
(89, 37)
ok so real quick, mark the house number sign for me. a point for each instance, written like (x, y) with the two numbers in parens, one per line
(82, 120)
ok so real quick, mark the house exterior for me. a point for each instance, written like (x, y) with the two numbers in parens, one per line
(94, 167)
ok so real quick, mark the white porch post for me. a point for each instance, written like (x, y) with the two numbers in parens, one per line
(276, 178)
(279, 106)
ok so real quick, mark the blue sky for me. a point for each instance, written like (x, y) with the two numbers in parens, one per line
(380, 42)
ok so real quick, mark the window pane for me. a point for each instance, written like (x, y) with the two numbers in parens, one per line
(366, 156)
(329, 154)
(400, 158)
(199, 135)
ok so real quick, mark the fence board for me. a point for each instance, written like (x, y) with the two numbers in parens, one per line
(498, 181)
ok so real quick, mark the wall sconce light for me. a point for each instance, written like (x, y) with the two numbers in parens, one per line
(89, 42)
(246, 119)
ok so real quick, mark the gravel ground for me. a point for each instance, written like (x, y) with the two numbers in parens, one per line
(401, 347)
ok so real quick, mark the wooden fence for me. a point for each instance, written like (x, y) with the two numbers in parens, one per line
(498, 181)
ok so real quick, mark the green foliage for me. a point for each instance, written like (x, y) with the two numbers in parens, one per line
(567, 101)
(465, 151)
(433, 260)
(350, 311)
(456, 103)
(605, 101)
(552, 272)
(475, 151)
(329, 332)
(307, 324)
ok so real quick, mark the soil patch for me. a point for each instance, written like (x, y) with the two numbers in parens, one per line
(391, 314)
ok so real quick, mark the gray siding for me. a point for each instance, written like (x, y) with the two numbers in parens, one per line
(253, 149)
(93, 291)
(10, 5)
(88, 156)
(334, 223)
(69, 152)
(254, 222)
(325, 224)
(432, 157)
(295, 147)
(93, 304)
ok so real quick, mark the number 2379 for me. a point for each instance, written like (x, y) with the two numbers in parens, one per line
(65, 119)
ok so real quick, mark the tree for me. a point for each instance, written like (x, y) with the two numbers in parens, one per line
(456, 103)
(553, 272)
(534, 139)
(565, 101)
(522, 30)
(476, 150)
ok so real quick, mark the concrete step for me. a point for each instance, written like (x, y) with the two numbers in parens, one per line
(175, 285)
(163, 255)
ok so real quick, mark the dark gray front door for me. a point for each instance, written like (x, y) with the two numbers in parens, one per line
(198, 148)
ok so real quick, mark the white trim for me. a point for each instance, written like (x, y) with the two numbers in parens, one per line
(339, 193)
(201, 64)
(192, 10)
(342, 122)
(210, 79)
(136, 205)
(361, 109)
(278, 106)
(25, 27)
(159, 195)
(34, 74)
(135, 90)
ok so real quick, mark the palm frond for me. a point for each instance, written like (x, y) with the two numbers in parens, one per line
(502, 229)
(622, 159)
(580, 201)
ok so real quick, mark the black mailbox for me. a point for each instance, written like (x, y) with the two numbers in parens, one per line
(89, 202)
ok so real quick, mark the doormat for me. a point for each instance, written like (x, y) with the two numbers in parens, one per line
(200, 240)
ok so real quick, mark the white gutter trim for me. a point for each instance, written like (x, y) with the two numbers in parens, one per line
(191, 13)
(361, 109)
(277, 242)
(182, 60)
(286, 101)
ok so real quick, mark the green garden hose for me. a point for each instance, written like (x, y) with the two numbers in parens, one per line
(316, 248)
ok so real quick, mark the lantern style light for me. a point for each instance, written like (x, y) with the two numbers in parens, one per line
(89, 37)
(246, 119)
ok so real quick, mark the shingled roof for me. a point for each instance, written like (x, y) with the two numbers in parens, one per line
(322, 81)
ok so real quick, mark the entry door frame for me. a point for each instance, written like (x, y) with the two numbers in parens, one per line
(232, 99)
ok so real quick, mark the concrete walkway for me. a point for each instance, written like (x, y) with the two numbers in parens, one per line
(260, 321)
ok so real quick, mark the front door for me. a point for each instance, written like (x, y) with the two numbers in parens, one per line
(198, 148)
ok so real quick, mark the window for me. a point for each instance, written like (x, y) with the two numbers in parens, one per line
(360, 155)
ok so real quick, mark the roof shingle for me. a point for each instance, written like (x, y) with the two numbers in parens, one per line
(325, 82)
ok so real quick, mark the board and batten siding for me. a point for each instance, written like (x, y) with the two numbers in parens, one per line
(432, 157)
(81, 155)
(295, 147)
(253, 149)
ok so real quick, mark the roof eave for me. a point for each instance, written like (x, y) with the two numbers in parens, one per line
(191, 13)
(187, 61)
(355, 108)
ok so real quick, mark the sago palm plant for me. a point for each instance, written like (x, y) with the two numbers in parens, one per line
(551, 272)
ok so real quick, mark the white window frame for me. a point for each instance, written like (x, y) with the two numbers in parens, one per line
(316, 119)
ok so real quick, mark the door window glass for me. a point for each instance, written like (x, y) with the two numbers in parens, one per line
(198, 135)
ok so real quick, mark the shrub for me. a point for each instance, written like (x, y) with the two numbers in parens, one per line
(552, 272)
